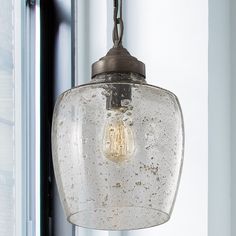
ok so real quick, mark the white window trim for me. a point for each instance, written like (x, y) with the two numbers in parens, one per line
(18, 151)
(27, 108)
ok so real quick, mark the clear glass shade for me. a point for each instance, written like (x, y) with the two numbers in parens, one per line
(117, 154)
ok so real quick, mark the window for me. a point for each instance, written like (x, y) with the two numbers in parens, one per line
(19, 202)
(11, 162)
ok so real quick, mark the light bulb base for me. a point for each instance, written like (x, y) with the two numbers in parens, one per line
(120, 94)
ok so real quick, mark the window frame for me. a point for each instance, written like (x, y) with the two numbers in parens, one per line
(27, 108)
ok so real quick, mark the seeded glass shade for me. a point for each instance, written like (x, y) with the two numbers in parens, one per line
(117, 168)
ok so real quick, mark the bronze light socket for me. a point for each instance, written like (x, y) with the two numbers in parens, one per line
(118, 60)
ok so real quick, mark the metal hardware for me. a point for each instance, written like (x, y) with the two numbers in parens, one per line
(119, 92)
(30, 3)
(118, 59)
(117, 35)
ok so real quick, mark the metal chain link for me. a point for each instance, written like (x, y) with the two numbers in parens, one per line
(118, 32)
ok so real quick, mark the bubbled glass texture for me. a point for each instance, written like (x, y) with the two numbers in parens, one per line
(134, 192)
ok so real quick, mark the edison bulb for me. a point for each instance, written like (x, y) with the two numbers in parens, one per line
(118, 139)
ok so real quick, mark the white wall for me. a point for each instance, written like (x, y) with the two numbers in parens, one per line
(233, 116)
(171, 37)
(219, 118)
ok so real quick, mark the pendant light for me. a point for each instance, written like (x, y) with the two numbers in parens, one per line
(117, 145)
